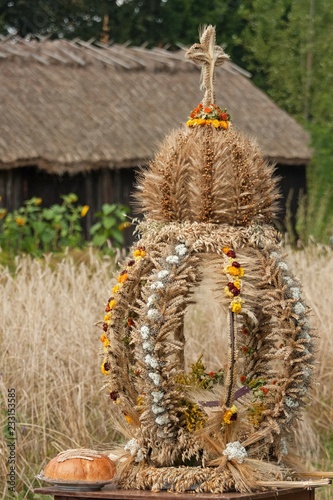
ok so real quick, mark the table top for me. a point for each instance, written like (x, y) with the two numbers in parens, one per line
(112, 493)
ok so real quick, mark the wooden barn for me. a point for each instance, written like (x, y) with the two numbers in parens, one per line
(81, 117)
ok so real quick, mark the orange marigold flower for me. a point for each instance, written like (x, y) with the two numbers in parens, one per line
(224, 125)
(122, 278)
(207, 110)
(103, 337)
(226, 250)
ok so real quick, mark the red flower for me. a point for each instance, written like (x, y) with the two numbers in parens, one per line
(245, 348)
(207, 110)
(130, 322)
(236, 264)
(245, 330)
(264, 390)
(231, 254)
(107, 308)
(114, 395)
(105, 326)
(224, 116)
(211, 374)
(243, 379)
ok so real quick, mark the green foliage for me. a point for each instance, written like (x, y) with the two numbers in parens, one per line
(108, 230)
(37, 230)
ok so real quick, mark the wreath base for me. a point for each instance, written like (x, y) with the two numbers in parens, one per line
(244, 477)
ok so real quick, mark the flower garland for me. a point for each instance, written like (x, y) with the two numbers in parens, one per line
(209, 115)
(234, 272)
(149, 331)
(112, 302)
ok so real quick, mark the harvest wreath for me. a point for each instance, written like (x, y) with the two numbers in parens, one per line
(209, 199)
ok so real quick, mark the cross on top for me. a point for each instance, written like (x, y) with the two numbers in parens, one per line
(208, 55)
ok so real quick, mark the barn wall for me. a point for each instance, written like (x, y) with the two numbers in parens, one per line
(93, 188)
(292, 186)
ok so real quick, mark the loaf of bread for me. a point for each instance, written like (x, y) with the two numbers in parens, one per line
(80, 465)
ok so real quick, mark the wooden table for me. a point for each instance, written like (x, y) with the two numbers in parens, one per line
(110, 493)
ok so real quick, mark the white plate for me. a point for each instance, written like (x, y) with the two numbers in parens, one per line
(62, 484)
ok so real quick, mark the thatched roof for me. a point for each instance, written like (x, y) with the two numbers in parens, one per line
(68, 106)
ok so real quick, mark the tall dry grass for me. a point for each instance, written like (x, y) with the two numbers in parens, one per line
(49, 354)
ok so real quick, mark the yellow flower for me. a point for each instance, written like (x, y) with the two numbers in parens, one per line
(237, 284)
(3, 213)
(112, 304)
(115, 289)
(84, 210)
(107, 317)
(228, 293)
(230, 415)
(105, 367)
(124, 225)
(20, 221)
(236, 306)
(106, 342)
(215, 123)
(235, 271)
(139, 253)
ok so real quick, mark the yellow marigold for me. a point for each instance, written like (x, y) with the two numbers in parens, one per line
(215, 123)
(122, 278)
(112, 303)
(236, 307)
(105, 367)
(139, 253)
(38, 201)
(84, 210)
(3, 213)
(230, 415)
(237, 284)
(235, 271)
(224, 125)
(20, 221)
(116, 289)
(106, 342)
(107, 317)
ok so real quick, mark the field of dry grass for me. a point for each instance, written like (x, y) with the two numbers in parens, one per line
(49, 354)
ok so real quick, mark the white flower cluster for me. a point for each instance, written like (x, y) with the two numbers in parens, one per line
(148, 344)
(235, 451)
(291, 403)
(134, 448)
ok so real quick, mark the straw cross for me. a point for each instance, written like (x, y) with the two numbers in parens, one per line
(208, 55)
